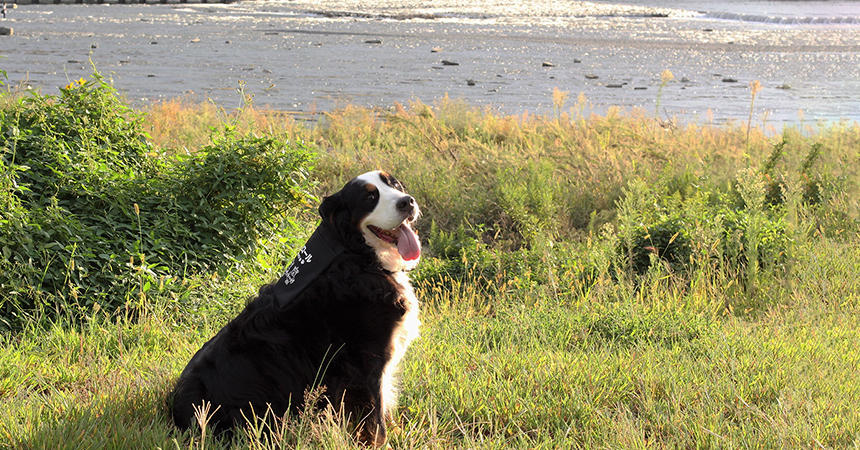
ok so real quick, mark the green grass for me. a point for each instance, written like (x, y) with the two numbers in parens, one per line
(554, 312)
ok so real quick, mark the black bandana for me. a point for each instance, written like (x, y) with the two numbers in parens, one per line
(316, 255)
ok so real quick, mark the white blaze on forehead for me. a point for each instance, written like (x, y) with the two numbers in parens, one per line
(385, 215)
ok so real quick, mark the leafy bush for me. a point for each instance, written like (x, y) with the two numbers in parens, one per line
(666, 239)
(726, 229)
(87, 207)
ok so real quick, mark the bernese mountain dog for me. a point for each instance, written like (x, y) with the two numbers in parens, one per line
(341, 316)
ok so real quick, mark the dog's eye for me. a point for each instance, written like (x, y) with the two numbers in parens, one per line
(372, 195)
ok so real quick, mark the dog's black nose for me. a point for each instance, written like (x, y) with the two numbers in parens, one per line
(405, 204)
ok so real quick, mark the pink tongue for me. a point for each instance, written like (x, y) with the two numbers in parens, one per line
(407, 243)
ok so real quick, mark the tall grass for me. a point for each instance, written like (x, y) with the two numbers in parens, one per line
(600, 281)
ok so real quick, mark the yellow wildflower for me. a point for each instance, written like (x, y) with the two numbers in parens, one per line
(666, 76)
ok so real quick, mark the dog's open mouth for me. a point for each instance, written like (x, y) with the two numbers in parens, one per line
(403, 237)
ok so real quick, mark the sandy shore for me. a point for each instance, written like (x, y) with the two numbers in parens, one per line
(309, 62)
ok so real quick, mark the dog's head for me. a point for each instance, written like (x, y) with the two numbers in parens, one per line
(374, 210)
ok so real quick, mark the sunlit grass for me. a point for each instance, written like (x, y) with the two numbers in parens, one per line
(533, 337)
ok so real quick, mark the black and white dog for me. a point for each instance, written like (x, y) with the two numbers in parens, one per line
(342, 317)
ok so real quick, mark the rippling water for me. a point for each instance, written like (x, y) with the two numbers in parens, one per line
(313, 55)
(557, 12)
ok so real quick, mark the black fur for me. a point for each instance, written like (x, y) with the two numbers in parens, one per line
(341, 324)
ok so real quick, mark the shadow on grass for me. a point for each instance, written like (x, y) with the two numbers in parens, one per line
(115, 417)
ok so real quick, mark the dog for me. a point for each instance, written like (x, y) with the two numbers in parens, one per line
(341, 316)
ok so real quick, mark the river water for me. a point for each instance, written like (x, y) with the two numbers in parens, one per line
(309, 56)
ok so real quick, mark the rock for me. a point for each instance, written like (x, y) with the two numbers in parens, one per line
(591, 76)
(547, 64)
(435, 49)
(227, 42)
(94, 45)
(150, 76)
(614, 85)
(730, 80)
(552, 77)
(707, 29)
(445, 62)
(685, 80)
(7, 31)
(576, 61)
(195, 40)
(640, 88)
(271, 33)
(470, 82)
(784, 86)
(373, 41)
(73, 61)
(153, 43)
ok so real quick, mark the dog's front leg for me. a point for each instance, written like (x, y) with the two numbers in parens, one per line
(366, 406)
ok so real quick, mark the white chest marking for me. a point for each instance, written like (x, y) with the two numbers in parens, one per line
(404, 333)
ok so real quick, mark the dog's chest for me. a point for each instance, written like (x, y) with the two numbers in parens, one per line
(407, 329)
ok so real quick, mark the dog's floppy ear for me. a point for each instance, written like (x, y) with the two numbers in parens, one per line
(329, 206)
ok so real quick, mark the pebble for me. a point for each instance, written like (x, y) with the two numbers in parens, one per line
(729, 80)
(94, 45)
(547, 64)
(640, 88)
(784, 86)
(445, 62)
(591, 76)
(576, 61)
(195, 40)
(614, 85)
(435, 49)
(470, 82)
(373, 41)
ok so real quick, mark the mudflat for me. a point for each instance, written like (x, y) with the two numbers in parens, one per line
(314, 56)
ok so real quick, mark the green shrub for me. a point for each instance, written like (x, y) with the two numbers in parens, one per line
(728, 230)
(666, 240)
(90, 212)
